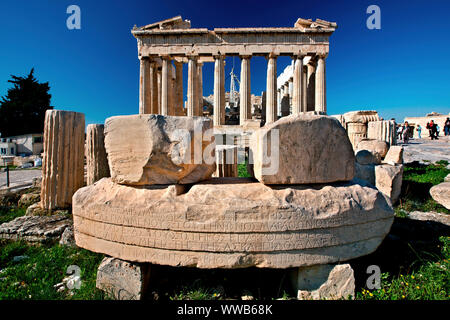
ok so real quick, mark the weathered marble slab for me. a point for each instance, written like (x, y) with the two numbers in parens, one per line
(231, 223)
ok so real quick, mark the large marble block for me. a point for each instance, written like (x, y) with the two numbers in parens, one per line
(302, 149)
(151, 149)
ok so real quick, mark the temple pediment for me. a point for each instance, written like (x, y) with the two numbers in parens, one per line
(168, 24)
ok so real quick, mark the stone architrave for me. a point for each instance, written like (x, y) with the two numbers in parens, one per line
(388, 179)
(96, 158)
(441, 194)
(329, 282)
(123, 280)
(155, 149)
(63, 163)
(302, 149)
(231, 223)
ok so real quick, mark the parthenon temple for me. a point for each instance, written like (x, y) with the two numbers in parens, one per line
(163, 48)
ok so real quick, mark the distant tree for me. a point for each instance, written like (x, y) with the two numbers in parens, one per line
(23, 108)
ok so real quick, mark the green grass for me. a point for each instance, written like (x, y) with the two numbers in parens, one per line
(44, 267)
(417, 181)
(7, 214)
(242, 170)
(431, 281)
(196, 291)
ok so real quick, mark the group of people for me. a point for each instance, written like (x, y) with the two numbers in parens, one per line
(433, 128)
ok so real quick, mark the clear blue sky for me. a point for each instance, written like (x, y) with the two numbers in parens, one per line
(400, 70)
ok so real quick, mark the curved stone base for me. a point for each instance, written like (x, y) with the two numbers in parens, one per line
(231, 223)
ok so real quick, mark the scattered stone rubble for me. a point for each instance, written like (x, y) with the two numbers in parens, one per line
(229, 222)
(35, 228)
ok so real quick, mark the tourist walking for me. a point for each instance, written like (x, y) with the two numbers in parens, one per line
(419, 131)
(431, 126)
(405, 132)
(438, 129)
(447, 127)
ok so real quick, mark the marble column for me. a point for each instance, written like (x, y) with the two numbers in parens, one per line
(171, 90)
(192, 92)
(199, 109)
(245, 108)
(158, 76)
(63, 163)
(304, 89)
(179, 88)
(165, 86)
(297, 86)
(96, 159)
(145, 86)
(271, 94)
(310, 78)
(291, 82)
(154, 85)
(219, 91)
(320, 103)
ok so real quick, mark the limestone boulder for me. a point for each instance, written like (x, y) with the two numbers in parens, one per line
(388, 179)
(325, 282)
(231, 223)
(152, 149)
(122, 280)
(447, 178)
(441, 194)
(374, 146)
(442, 218)
(365, 157)
(302, 149)
(394, 155)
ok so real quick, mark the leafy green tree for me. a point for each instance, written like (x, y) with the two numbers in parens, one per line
(23, 108)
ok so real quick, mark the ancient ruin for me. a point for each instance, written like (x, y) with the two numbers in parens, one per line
(96, 158)
(173, 40)
(62, 167)
(161, 205)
